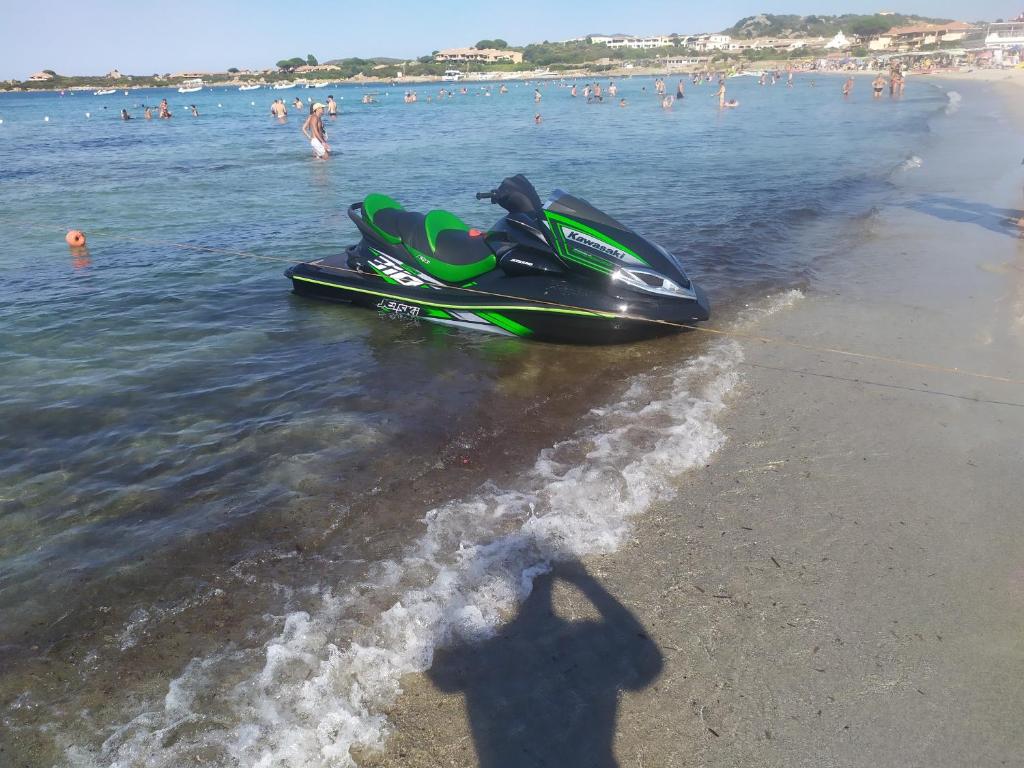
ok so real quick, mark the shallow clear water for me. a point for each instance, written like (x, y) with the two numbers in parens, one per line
(170, 415)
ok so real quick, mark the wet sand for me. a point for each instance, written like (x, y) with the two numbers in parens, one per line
(842, 583)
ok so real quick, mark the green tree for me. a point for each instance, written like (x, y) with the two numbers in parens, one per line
(481, 44)
(869, 26)
(311, 60)
(233, 70)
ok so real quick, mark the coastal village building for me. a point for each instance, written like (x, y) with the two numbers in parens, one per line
(486, 55)
(639, 43)
(839, 42)
(684, 62)
(1008, 34)
(709, 42)
(912, 37)
(627, 41)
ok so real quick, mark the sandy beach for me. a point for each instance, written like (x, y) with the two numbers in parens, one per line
(842, 583)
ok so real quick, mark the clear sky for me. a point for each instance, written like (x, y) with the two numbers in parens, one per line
(139, 37)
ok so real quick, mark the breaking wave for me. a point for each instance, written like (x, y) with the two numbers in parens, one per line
(953, 100)
(322, 686)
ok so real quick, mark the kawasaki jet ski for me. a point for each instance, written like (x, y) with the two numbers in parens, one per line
(560, 271)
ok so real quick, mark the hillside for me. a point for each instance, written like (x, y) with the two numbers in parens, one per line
(772, 25)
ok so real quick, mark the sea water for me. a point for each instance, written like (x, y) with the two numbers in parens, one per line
(231, 518)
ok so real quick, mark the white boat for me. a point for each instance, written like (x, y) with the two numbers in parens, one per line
(104, 91)
(249, 87)
(283, 86)
(190, 86)
(452, 75)
(317, 85)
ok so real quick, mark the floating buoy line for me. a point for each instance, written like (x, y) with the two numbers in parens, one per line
(624, 315)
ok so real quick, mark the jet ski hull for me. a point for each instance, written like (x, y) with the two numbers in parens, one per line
(529, 307)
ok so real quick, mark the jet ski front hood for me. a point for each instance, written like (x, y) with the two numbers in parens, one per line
(586, 238)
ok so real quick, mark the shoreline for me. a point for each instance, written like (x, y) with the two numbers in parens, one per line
(840, 583)
(1011, 76)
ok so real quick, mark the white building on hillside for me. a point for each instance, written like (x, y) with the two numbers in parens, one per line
(839, 42)
(486, 55)
(638, 42)
(709, 42)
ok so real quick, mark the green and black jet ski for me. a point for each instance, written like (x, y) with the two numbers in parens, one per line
(561, 271)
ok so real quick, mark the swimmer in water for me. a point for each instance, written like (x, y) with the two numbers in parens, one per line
(680, 90)
(622, 102)
(125, 115)
(332, 107)
(165, 112)
(536, 94)
(147, 112)
(537, 119)
(666, 102)
(848, 86)
(195, 112)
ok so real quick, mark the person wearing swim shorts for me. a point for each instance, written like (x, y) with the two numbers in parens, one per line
(878, 84)
(313, 129)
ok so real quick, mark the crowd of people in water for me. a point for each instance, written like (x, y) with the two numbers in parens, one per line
(593, 92)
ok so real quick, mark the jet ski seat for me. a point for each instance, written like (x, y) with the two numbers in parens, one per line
(439, 241)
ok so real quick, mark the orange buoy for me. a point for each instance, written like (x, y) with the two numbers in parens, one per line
(75, 238)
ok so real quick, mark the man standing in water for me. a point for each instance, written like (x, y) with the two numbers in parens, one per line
(332, 107)
(313, 129)
(848, 86)
(877, 85)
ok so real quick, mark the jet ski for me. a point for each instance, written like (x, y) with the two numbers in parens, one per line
(561, 271)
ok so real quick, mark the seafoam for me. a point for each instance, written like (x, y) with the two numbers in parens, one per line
(325, 680)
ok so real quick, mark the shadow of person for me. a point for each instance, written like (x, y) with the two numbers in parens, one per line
(544, 691)
(1003, 221)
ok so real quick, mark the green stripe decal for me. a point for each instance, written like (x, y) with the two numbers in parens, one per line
(467, 307)
(588, 261)
(506, 323)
